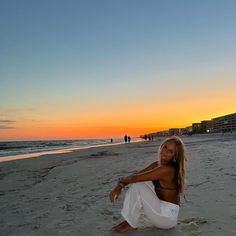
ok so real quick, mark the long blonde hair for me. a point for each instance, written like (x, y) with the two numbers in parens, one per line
(178, 160)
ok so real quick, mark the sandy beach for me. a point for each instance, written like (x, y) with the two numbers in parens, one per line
(67, 194)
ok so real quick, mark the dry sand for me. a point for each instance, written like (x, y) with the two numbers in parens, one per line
(67, 194)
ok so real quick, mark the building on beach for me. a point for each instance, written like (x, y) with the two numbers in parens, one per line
(221, 124)
(224, 124)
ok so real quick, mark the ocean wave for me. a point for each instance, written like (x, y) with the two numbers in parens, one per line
(10, 148)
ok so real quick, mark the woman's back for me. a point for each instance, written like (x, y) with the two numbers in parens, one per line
(166, 194)
(167, 189)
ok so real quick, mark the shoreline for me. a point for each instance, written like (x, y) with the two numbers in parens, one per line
(68, 150)
(59, 151)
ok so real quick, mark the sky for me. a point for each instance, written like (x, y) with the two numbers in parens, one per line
(101, 69)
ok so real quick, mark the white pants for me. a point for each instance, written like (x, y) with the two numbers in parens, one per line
(142, 208)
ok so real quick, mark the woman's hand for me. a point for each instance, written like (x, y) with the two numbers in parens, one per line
(114, 194)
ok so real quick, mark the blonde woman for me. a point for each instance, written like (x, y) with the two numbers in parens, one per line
(154, 194)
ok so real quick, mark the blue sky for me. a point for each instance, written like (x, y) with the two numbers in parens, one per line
(60, 53)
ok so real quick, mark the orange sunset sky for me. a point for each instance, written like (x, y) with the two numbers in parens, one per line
(114, 68)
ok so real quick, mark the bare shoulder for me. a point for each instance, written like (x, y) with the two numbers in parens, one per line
(166, 170)
(166, 167)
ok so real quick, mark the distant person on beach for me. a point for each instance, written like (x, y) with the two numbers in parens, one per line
(154, 193)
(129, 139)
(126, 138)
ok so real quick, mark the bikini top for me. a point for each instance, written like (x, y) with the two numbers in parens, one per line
(158, 185)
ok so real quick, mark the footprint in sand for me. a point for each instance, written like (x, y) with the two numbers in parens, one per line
(192, 225)
(67, 207)
(106, 212)
(233, 217)
(36, 227)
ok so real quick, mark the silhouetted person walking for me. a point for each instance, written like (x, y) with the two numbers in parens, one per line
(129, 139)
(126, 138)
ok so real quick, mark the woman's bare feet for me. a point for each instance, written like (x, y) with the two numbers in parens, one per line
(123, 227)
(117, 227)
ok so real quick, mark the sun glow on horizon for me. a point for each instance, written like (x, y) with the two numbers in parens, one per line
(114, 69)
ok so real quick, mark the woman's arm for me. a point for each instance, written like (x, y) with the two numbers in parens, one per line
(149, 175)
(150, 167)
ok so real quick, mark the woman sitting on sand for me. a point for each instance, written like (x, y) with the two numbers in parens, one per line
(153, 198)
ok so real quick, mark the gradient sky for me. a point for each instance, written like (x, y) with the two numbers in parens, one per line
(88, 69)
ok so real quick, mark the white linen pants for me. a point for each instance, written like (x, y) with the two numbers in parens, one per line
(142, 208)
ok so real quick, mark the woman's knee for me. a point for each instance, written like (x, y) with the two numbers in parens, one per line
(140, 186)
(137, 185)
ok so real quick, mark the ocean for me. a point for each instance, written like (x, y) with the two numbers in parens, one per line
(13, 148)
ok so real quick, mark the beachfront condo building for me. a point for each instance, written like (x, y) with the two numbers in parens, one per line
(224, 124)
(220, 124)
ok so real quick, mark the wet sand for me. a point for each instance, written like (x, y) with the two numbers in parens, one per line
(67, 194)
